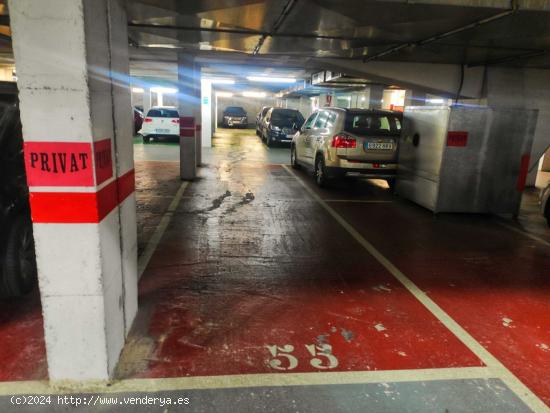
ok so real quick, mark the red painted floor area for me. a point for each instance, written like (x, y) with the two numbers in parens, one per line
(494, 282)
(252, 276)
(22, 349)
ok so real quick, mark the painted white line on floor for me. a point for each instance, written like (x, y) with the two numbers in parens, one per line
(525, 233)
(496, 367)
(249, 380)
(362, 201)
(153, 242)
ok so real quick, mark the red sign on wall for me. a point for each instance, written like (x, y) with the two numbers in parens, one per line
(103, 160)
(457, 138)
(68, 163)
(59, 164)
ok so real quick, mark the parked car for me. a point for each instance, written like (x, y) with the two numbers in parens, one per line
(337, 142)
(18, 273)
(234, 116)
(280, 125)
(260, 118)
(161, 122)
(545, 203)
(138, 119)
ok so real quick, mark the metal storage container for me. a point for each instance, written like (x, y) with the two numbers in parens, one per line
(465, 158)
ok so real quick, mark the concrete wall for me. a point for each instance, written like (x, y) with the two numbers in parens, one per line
(251, 105)
(527, 88)
(303, 105)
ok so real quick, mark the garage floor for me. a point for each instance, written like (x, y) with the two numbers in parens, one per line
(259, 272)
(268, 294)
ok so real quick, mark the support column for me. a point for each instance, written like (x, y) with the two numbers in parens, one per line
(375, 96)
(414, 98)
(81, 177)
(545, 167)
(206, 113)
(146, 100)
(189, 98)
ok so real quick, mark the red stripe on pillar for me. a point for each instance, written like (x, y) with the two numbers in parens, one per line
(107, 199)
(523, 172)
(126, 185)
(64, 207)
(80, 207)
(187, 133)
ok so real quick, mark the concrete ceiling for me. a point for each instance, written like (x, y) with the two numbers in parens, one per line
(300, 32)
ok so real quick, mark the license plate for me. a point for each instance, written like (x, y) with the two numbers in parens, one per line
(162, 130)
(289, 137)
(385, 146)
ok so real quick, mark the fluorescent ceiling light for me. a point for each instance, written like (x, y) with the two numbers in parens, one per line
(270, 79)
(435, 101)
(138, 90)
(162, 45)
(224, 94)
(219, 81)
(254, 94)
(167, 90)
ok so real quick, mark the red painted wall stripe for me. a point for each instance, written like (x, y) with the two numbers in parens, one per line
(126, 185)
(81, 207)
(523, 172)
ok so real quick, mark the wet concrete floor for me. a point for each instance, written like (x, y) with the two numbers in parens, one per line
(264, 294)
(253, 276)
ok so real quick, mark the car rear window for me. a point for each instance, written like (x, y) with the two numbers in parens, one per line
(235, 110)
(372, 124)
(286, 118)
(163, 113)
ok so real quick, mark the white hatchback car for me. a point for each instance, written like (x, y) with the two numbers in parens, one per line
(545, 203)
(160, 122)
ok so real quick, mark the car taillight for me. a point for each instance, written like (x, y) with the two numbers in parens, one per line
(343, 141)
(175, 121)
(147, 120)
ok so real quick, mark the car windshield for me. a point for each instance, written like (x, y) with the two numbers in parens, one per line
(163, 113)
(372, 124)
(286, 118)
(235, 111)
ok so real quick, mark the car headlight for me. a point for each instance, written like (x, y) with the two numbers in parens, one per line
(276, 128)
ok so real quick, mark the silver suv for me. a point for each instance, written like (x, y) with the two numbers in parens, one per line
(337, 142)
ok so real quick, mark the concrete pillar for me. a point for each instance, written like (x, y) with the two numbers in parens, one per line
(414, 98)
(375, 96)
(189, 95)
(545, 167)
(147, 100)
(206, 113)
(81, 177)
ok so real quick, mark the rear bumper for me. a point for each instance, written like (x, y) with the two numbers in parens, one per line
(366, 172)
(157, 135)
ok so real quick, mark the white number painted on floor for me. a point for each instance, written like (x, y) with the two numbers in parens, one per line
(282, 352)
(324, 351)
(323, 359)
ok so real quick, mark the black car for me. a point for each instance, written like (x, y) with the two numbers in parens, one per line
(18, 273)
(234, 116)
(260, 118)
(280, 125)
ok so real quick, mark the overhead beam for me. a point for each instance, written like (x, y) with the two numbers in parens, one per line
(513, 9)
(276, 26)
(247, 32)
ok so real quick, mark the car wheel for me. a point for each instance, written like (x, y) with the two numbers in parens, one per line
(320, 172)
(547, 212)
(293, 160)
(269, 142)
(146, 139)
(19, 267)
